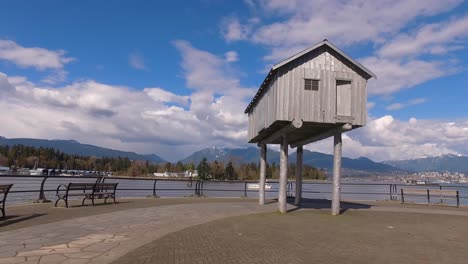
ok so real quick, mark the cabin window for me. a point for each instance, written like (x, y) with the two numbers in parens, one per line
(311, 85)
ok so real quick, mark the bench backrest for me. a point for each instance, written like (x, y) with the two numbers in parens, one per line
(106, 186)
(5, 187)
(80, 186)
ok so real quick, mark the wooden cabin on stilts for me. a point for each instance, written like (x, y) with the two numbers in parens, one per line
(315, 94)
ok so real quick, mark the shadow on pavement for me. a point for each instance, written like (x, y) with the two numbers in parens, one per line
(97, 203)
(13, 219)
(326, 204)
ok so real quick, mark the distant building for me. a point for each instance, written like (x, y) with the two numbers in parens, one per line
(4, 170)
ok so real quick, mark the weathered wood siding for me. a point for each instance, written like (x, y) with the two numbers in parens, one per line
(286, 98)
(265, 112)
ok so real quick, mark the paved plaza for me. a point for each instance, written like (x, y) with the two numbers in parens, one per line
(201, 230)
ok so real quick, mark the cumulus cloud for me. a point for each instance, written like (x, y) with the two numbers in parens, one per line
(233, 30)
(151, 120)
(136, 61)
(387, 138)
(161, 95)
(38, 58)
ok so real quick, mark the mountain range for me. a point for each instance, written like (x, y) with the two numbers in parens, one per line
(359, 166)
(76, 148)
(451, 163)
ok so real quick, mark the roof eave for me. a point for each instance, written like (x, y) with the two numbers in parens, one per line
(329, 44)
(259, 93)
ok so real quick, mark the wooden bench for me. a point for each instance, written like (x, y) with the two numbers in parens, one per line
(428, 193)
(4, 189)
(89, 191)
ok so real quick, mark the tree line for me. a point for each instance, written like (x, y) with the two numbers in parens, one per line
(251, 171)
(20, 156)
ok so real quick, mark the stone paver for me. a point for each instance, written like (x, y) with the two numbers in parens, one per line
(104, 238)
(26, 215)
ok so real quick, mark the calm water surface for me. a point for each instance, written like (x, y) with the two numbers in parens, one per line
(165, 188)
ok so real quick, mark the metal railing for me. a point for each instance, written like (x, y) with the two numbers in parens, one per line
(195, 187)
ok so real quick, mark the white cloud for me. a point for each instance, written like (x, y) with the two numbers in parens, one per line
(161, 95)
(136, 60)
(233, 30)
(436, 38)
(395, 75)
(55, 77)
(392, 30)
(231, 56)
(147, 120)
(344, 23)
(152, 120)
(398, 106)
(38, 58)
(387, 138)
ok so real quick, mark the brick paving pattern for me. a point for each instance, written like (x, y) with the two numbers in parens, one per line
(200, 230)
(313, 236)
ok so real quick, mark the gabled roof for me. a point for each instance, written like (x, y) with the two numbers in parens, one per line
(275, 67)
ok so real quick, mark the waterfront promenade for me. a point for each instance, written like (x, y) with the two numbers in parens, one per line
(210, 230)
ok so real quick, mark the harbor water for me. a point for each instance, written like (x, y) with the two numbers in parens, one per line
(26, 189)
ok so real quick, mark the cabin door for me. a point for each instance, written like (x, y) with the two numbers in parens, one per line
(343, 98)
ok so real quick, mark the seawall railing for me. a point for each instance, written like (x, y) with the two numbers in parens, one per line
(31, 188)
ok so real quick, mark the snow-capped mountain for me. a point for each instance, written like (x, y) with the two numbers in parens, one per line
(441, 163)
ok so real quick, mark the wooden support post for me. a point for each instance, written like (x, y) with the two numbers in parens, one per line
(261, 183)
(299, 154)
(283, 181)
(338, 144)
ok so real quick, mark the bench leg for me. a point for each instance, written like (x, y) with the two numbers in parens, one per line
(3, 211)
(66, 202)
(56, 202)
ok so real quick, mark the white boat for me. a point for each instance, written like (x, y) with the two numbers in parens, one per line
(38, 172)
(256, 186)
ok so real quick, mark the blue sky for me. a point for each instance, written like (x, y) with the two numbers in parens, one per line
(175, 77)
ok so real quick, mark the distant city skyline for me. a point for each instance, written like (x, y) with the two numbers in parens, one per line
(174, 78)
